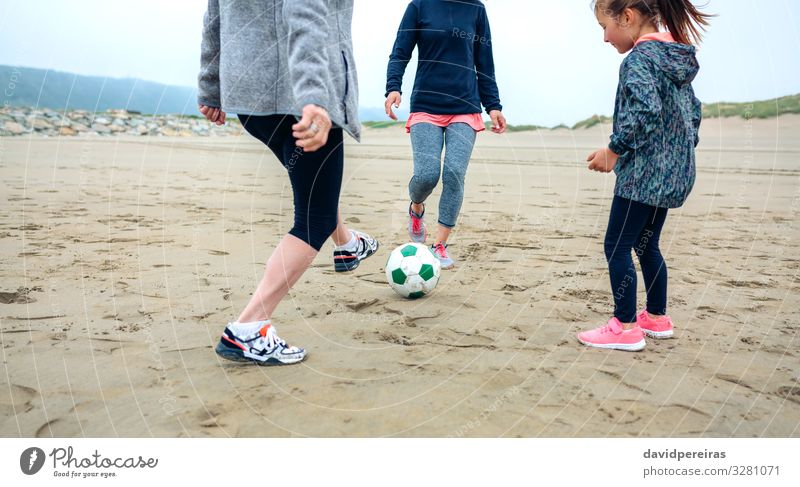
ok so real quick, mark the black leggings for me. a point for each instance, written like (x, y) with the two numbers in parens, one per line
(635, 226)
(316, 177)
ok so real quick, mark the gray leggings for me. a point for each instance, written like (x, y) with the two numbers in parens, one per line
(427, 142)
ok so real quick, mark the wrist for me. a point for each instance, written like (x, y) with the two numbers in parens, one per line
(616, 147)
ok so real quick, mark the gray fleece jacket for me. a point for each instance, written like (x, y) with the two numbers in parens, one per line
(266, 57)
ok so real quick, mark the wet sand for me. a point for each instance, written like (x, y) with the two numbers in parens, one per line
(121, 260)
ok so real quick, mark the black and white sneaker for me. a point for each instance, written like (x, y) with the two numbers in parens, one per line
(257, 343)
(345, 260)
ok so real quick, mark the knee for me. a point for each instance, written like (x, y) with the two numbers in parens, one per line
(318, 235)
(648, 251)
(315, 228)
(650, 256)
(325, 226)
(425, 182)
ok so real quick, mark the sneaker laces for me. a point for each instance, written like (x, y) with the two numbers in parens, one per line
(361, 245)
(440, 249)
(416, 221)
(269, 338)
(416, 224)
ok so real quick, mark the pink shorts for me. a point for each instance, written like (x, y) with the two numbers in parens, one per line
(474, 120)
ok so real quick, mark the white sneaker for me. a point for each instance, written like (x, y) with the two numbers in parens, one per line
(257, 342)
(345, 260)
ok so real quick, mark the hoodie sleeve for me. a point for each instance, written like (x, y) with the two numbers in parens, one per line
(403, 48)
(484, 65)
(208, 80)
(640, 108)
(697, 116)
(308, 56)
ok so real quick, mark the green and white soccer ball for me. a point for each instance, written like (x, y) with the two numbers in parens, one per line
(412, 270)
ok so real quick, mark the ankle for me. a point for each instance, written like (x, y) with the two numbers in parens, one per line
(628, 326)
(418, 208)
(349, 244)
(249, 326)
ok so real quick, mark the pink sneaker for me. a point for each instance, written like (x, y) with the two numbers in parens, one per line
(655, 328)
(613, 336)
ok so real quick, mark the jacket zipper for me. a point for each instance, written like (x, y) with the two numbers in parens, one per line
(346, 86)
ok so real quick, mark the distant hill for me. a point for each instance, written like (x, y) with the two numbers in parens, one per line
(43, 88)
(58, 90)
(756, 109)
(31, 87)
(753, 109)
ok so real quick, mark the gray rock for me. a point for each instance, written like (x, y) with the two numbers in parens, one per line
(14, 128)
(39, 124)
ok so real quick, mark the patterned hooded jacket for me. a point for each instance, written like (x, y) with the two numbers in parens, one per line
(656, 120)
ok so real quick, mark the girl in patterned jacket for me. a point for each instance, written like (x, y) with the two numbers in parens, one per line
(656, 121)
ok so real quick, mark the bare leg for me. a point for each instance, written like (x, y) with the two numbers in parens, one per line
(442, 235)
(288, 262)
(342, 234)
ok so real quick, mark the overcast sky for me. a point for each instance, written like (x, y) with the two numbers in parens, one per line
(552, 65)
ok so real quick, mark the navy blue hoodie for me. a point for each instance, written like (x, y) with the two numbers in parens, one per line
(455, 74)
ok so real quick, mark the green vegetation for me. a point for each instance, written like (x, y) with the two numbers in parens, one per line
(592, 121)
(757, 109)
(518, 128)
(382, 124)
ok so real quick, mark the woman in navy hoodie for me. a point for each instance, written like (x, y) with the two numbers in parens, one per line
(455, 76)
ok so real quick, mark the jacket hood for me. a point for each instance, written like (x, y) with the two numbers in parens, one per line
(677, 61)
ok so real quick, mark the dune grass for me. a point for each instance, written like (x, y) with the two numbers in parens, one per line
(755, 109)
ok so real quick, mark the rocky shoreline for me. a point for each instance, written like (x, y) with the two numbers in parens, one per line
(19, 121)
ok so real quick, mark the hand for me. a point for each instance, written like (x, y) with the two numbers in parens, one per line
(498, 121)
(215, 115)
(602, 160)
(394, 98)
(312, 130)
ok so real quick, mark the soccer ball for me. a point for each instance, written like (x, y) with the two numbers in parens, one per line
(412, 270)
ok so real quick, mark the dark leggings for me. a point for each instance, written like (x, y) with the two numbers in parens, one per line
(635, 226)
(316, 177)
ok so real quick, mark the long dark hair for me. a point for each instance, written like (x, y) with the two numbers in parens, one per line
(684, 21)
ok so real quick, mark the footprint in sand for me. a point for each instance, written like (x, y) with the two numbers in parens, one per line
(790, 393)
(20, 296)
(18, 400)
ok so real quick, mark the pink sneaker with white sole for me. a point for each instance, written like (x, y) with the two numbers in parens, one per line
(654, 328)
(614, 336)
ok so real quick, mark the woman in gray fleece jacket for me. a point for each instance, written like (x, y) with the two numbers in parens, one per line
(286, 69)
